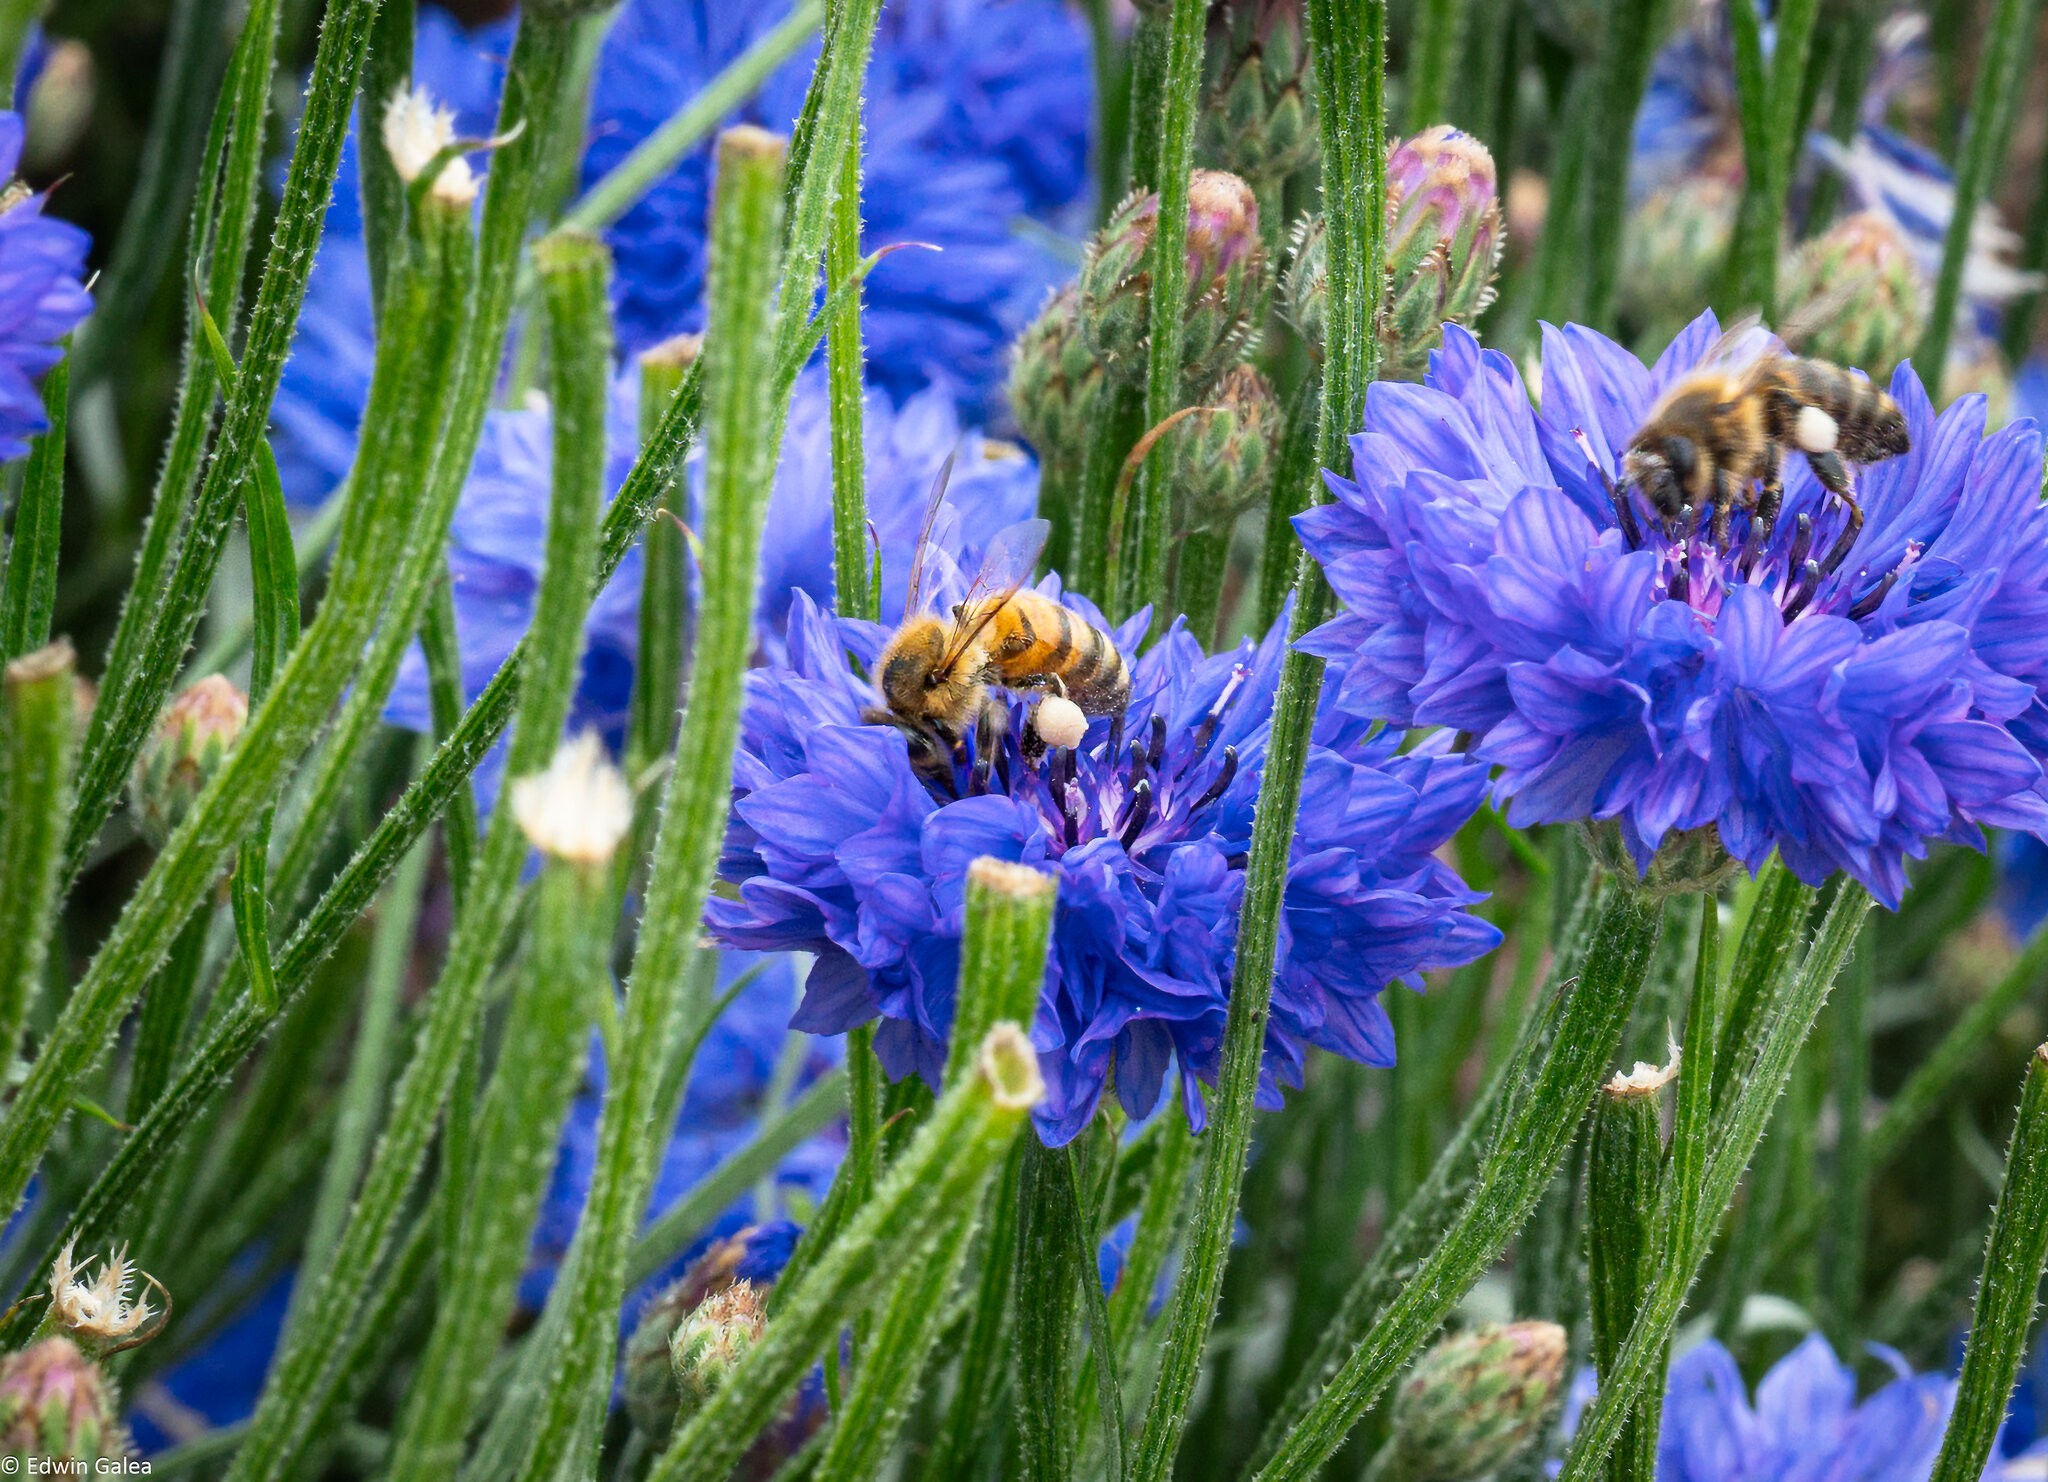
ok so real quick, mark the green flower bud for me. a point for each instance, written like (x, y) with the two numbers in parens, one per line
(709, 1344)
(1305, 286)
(1673, 251)
(1226, 282)
(1221, 457)
(1477, 1402)
(54, 1402)
(191, 741)
(1444, 240)
(1688, 862)
(1055, 382)
(1859, 293)
(1258, 112)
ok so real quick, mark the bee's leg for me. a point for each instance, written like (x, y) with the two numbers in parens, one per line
(988, 740)
(1724, 507)
(1769, 499)
(1827, 467)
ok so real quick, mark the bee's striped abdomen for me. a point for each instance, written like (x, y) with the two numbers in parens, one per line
(1871, 426)
(1042, 639)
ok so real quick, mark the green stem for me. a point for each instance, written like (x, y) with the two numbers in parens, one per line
(2001, 74)
(132, 700)
(741, 408)
(1626, 1160)
(30, 592)
(1627, 40)
(986, 1355)
(1151, 44)
(1439, 30)
(1349, 44)
(166, 1010)
(1719, 1146)
(540, 1052)
(1294, 489)
(1047, 1285)
(389, 69)
(664, 594)
(2007, 1290)
(38, 700)
(1148, 541)
(921, 1197)
(843, 366)
(1538, 1118)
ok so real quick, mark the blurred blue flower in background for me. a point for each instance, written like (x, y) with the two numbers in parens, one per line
(1804, 1424)
(838, 848)
(42, 295)
(1846, 719)
(978, 117)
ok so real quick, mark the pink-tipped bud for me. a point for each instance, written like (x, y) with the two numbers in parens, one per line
(55, 1402)
(191, 741)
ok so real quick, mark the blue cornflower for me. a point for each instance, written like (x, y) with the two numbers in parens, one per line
(837, 848)
(1804, 1424)
(977, 139)
(977, 118)
(496, 541)
(1846, 718)
(42, 295)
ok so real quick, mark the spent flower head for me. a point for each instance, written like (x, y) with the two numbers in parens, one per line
(1847, 712)
(416, 131)
(102, 1310)
(838, 848)
(579, 808)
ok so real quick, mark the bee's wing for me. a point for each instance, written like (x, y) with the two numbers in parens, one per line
(1742, 344)
(1005, 567)
(914, 603)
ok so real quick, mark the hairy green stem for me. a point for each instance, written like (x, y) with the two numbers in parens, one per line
(38, 711)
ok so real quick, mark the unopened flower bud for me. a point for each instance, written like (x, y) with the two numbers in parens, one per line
(710, 1342)
(1221, 456)
(55, 1402)
(1305, 285)
(1673, 251)
(750, 1259)
(1477, 1402)
(191, 741)
(1856, 291)
(415, 133)
(1226, 280)
(579, 808)
(1055, 382)
(1444, 240)
(1686, 861)
(1258, 114)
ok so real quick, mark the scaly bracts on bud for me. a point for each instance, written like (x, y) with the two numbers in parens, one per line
(190, 744)
(1226, 281)
(1222, 455)
(1444, 240)
(1859, 293)
(1258, 112)
(55, 1402)
(1478, 1401)
(1056, 382)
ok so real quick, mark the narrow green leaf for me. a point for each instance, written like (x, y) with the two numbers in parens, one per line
(2007, 1290)
(38, 698)
(919, 1199)
(30, 592)
(1627, 1158)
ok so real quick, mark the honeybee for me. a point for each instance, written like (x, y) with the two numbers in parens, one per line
(935, 673)
(1719, 435)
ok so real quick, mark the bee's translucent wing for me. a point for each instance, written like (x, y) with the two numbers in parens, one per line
(1005, 567)
(914, 603)
(1741, 344)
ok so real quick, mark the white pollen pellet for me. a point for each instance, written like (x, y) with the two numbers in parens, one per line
(1059, 721)
(1815, 431)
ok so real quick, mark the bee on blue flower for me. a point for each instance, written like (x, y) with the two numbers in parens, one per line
(837, 846)
(1846, 717)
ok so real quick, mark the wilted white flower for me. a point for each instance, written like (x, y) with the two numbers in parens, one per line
(579, 808)
(99, 1309)
(415, 131)
(1645, 1079)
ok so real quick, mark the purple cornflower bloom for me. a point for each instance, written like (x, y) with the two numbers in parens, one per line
(42, 295)
(497, 538)
(1844, 714)
(836, 847)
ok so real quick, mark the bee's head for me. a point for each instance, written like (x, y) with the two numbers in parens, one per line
(931, 751)
(1663, 467)
(908, 669)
